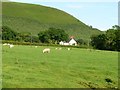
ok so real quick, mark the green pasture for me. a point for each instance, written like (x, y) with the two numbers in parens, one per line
(28, 67)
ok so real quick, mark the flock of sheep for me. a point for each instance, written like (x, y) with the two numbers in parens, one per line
(7, 44)
(46, 50)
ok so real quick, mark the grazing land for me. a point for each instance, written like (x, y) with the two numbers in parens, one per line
(27, 67)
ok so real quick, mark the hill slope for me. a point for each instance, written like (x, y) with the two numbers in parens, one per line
(32, 18)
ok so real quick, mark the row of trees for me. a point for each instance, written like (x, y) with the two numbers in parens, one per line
(52, 35)
(9, 34)
(108, 41)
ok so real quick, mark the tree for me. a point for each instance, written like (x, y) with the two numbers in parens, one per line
(53, 35)
(24, 37)
(8, 34)
(99, 41)
(110, 34)
(117, 40)
(116, 27)
(81, 42)
(35, 39)
(44, 37)
(113, 38)
(57, 35)
(108, 41)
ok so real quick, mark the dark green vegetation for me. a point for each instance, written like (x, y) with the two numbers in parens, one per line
(108, 41)
(29, 18)
(52, 36)
(8, 34)
(28, 67)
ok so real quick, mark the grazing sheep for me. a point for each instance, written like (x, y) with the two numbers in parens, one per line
(4, 44)
(8, 44)
(56, 48)
(60, 48)
(36, 46)
(46, 50)
(11, 46)
(68, 49)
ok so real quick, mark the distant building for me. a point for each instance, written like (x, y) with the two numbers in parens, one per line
(61, 43)
(71, 42)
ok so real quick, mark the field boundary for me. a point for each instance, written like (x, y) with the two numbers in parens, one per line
(44, 44)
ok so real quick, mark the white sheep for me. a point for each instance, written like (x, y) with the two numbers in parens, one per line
(4, 44)
(68, 49)
(36, 46)
(8, 44)
(60, 48)
(11, 46)
(56, 48)
(46, 50)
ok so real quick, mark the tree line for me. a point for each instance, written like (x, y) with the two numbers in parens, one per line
(52, 35)
(9, 34)
(108, 41)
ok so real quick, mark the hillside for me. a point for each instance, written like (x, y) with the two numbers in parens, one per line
(32, 18)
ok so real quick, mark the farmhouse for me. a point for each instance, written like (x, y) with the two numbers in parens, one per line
(71, 42)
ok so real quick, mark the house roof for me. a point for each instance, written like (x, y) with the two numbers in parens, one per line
(72, 41)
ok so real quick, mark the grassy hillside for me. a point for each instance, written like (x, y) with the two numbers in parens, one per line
(35, 18)
(28, 67)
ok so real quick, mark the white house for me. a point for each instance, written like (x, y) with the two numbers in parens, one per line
(63, 43)
(66, 44)
(72, 42)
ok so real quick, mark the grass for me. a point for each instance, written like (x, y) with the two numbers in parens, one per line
(0, 66)
(32, 18)
(28, 67)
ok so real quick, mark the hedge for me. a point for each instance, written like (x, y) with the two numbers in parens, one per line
(42, 44)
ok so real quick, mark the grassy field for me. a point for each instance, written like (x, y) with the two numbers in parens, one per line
(22, 17)
(28, 67)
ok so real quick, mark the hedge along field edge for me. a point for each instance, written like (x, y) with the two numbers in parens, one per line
(44, 44)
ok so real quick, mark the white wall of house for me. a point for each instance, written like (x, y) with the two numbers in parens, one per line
(71, 42)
